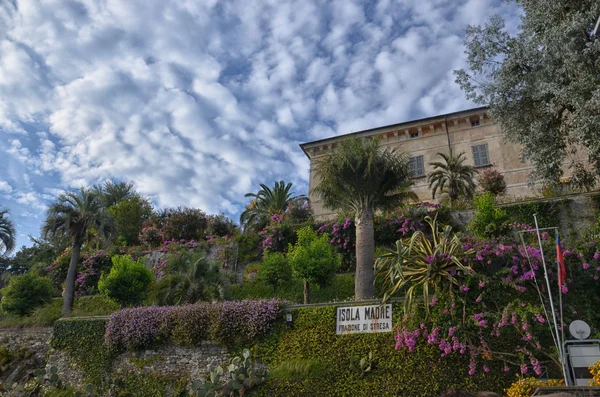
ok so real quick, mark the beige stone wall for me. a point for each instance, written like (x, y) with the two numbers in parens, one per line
(431, 136)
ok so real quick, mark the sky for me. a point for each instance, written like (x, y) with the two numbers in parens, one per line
(197, 102)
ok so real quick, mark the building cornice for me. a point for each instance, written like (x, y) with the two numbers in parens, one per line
(418, 124)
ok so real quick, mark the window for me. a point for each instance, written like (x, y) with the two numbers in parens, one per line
(474, 123)
(480, 155)
(414, 134)
(417, 167)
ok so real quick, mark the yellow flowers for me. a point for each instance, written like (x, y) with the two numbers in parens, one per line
(595, 371)
(524, 387)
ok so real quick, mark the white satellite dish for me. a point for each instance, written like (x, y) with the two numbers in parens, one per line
(579, 329)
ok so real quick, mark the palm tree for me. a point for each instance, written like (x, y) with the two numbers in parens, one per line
(7, 233)
(361, 177)
(112, 192)
(73, 214)
(197, 279)
(268, 202)
(454, 176)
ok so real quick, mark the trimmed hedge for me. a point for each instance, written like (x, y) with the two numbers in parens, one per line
(395, 372)
(83, 340)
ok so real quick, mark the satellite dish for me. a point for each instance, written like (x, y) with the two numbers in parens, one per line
(579, 329)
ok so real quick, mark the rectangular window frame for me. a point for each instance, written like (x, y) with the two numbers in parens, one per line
(417, 166)
(481, 155)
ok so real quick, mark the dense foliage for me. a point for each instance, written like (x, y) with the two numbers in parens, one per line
(128, 282)
(489, 221)
(452, 176)
(420, 373)
(25, 293)
(491, 181)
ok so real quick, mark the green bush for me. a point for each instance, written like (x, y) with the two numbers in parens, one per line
(128, 282)
(488, 221)
(25, 293)
(274, 269)
(420, 373)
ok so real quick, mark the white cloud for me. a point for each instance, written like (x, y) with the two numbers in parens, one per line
(199, 102)
(5, 187)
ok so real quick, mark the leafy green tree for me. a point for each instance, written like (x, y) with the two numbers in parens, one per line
(268, 202)
(128, 282)
(220, 226)
(360, 177)
(7, 233)
(453, 176)
(542, 84)
(181, 223)
(73, 214)
(130, 214)
(424, 261)
(489, 221)
(313, 259)
(193, 278)
(274, 269)
(25, 293)
(114, 192)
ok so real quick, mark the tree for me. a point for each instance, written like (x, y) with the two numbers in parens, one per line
(73, 214)
(274, 269)
(452, 175)
(130, 214)
(268, 202)
(7, 233)
(542, 84)
(313, 259)
(113, 192)
(128, 282)
(181, 223)
(359, 176)
(194, 278)
(489, 221)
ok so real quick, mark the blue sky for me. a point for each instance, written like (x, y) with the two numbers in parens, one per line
(197, 102)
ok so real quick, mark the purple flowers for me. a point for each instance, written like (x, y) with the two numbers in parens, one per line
(224, 322)
(586, 266)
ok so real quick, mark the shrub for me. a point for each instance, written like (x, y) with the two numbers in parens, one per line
(128, 282)
(491, 181)
(25, 293)
(313, 260)
(524, 387)
(274, 269)
(488, 220)
(228, 323)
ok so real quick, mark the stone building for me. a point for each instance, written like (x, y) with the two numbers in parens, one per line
(470, 131)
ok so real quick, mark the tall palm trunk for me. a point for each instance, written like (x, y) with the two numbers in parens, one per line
(69, 294)
(365, 251)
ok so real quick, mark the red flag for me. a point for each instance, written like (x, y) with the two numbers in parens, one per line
(562, 271)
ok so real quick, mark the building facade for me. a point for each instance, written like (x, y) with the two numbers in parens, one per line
(470, 131)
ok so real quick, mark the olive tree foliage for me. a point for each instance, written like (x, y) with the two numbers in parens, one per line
(542, 85)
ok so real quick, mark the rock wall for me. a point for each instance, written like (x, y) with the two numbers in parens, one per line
(29, 349)
(181, 362)
(23, 350)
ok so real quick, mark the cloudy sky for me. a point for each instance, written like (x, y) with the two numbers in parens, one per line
(199, 101)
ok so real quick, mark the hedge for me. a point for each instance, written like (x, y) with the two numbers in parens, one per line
(395, 372)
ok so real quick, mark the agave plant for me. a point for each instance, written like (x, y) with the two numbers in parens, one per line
(428, 261)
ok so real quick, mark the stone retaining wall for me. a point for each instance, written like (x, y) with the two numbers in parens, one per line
(34, 345)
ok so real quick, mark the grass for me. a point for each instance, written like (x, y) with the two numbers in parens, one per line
(46, 315)
(301, 369)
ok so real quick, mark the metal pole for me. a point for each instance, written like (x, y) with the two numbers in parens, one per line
(560, 353)
(596, 27)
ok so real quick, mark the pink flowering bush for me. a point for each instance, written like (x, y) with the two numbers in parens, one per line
(277, 235)
(496, 315)
(229, 323)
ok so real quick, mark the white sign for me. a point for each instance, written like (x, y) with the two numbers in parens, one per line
(364, 319)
